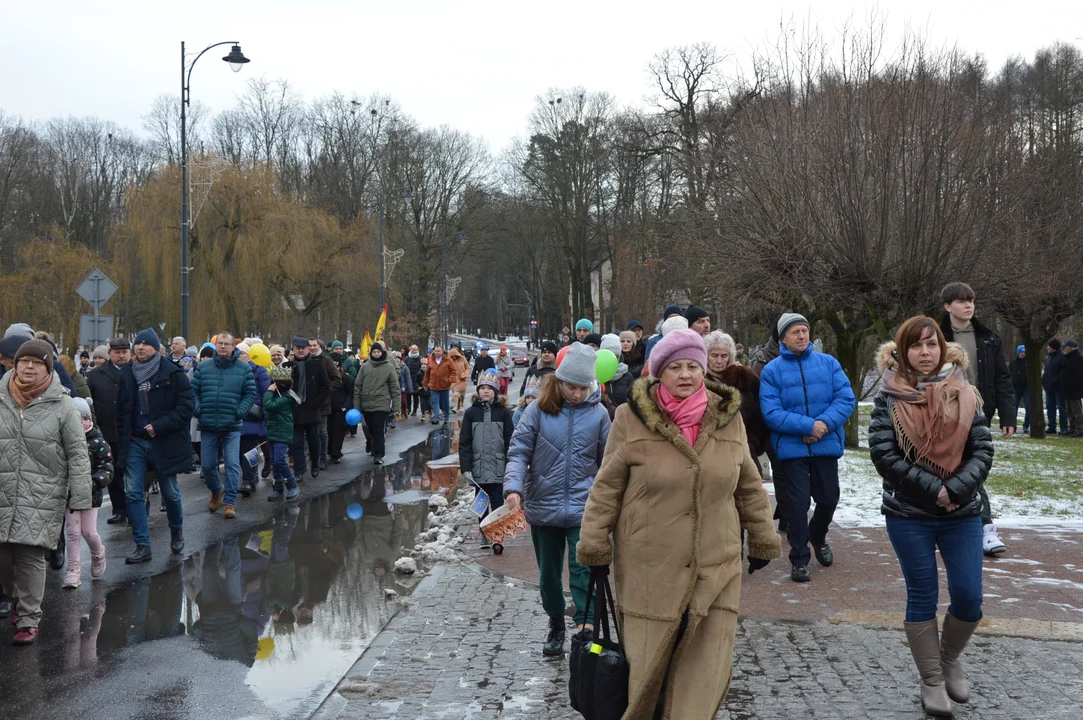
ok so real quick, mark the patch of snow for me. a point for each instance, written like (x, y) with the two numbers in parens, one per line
(406, 566)
(437, 502)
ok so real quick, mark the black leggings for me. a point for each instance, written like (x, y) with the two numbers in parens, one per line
(374, 423)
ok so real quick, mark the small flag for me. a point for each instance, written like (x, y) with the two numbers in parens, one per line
(252, 456)
(481, 503)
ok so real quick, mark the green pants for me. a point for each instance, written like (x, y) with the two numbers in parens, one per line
(549, 545)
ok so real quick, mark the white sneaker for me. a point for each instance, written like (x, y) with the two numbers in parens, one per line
(71, 579)
(991, 544)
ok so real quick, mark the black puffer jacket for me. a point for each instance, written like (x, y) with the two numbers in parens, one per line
(910, 490)
(991, 370)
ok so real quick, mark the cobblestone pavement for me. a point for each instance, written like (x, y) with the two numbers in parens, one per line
(469, 646)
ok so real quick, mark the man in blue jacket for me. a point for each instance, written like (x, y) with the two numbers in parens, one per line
(806, 400)
(224, 390)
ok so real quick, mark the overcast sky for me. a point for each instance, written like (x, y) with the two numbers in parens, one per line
(472, 64)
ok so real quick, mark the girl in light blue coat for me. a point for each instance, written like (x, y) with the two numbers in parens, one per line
(555, 452)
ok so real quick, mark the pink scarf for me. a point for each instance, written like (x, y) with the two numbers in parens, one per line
(687, 413)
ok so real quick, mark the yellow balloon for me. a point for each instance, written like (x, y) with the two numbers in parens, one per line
(260, 355)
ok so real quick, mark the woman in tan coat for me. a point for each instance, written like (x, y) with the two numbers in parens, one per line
(675, 489)
(458, 388)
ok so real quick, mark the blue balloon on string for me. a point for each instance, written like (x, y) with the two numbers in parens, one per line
(354, 511)
(353, 416)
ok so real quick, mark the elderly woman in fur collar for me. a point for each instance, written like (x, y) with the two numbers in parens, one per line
(675, 489)
(930, 442)
(722, 367)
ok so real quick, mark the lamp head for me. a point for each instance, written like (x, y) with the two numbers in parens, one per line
(236, 58)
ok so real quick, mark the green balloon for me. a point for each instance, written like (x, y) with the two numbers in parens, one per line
(605, 366)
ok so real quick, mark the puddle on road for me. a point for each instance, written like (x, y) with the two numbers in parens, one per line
(294, 602)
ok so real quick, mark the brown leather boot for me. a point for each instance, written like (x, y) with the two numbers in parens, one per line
(952, 642)
(216, 501)
(925, 647)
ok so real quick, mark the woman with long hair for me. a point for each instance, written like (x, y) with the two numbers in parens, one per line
(554, 455)
(677, 486)
(930, 442)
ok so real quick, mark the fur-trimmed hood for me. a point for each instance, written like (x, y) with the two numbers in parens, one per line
(501, 400)
(723, 404)
(887, 360)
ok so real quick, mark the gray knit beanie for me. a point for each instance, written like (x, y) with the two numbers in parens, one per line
(788, 320)
(578, 365)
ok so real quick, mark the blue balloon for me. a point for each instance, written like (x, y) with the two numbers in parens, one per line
(354, 511)
(353, 416)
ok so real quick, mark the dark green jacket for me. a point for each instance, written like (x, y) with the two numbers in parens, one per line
(278, 412)
(377, 384)
(224, 390)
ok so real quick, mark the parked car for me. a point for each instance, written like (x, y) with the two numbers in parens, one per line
(521, 359)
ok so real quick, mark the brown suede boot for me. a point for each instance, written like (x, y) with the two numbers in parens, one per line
(925, 647)
(216, 501)
(952, 642)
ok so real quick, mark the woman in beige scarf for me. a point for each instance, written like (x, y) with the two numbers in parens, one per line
(931, 444)
(44, 471)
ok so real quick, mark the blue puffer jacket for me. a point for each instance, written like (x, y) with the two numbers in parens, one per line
(224, 390)
(553, 459)
(263, 381)
(798, 390)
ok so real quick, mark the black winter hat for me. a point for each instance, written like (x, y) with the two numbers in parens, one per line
(10, 345)
(694, 313)
(593, 339)
(634, 324)
(670, 311)
(1055, 344)
(550, 347)
(1071, 344)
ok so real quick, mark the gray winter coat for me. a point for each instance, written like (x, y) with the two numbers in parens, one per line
(44, 466)
(484, 439)
(553, 460)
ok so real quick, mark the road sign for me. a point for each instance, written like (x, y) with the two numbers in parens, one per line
(95, 330)
(566, 330)
(96, 289)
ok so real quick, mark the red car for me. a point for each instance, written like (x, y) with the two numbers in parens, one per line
(521, 359)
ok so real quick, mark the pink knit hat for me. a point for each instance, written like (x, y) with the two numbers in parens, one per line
(678, 345)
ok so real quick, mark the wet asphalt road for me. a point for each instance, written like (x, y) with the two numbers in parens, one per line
(259, 617)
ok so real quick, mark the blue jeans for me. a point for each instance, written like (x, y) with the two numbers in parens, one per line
(441, 402)
(808, 479)
(1054, 401)
(959, 539)
(281, 466)
(230, 442)
(140, 454)
(1024, 395)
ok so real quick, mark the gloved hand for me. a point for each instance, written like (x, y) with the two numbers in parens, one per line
(469, 476)
(600, 570)
(755, 564)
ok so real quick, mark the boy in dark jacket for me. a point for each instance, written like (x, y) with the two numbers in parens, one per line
(988, 371)
(278, 412)
(483, 442)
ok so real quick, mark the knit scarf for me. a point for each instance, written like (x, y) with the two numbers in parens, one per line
(23, 393)
(933, 420)
(146, 369)
(687, 414)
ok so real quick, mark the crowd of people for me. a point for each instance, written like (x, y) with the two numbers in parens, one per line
(654, 469)
(134, 414)
(660, 479)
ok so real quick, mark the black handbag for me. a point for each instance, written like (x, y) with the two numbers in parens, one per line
(255, 413)
(598, 682)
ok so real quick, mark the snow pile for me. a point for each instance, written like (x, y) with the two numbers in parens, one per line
(441, 542)
(406, 566)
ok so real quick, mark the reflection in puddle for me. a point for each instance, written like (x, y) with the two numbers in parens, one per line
(294, 601)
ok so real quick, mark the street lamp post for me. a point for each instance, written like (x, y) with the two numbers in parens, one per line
(461, 237)
(236, 60)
